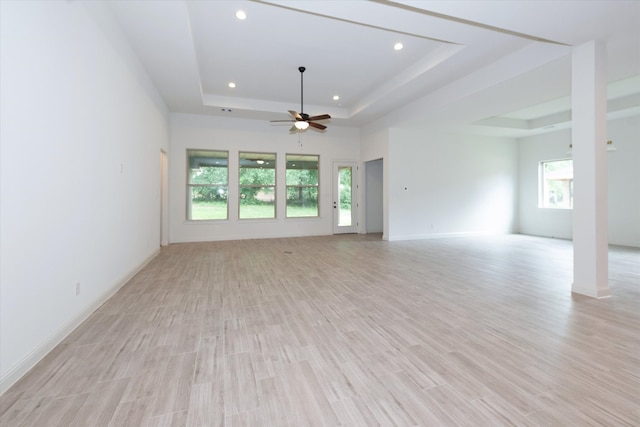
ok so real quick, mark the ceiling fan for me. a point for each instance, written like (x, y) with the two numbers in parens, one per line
(301, 120)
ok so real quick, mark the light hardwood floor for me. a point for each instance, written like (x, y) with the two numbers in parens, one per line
(349, 330)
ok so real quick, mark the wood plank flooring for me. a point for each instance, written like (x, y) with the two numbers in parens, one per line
(349, 330)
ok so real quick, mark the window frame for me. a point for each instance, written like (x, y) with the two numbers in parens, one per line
(309, 158)
(258, 156)
(193, 153)
(544, 193)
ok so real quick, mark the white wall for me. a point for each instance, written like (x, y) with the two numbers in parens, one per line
(444, 184)
(624, 182)
(623, 175)
(81, 134)
(235, 135)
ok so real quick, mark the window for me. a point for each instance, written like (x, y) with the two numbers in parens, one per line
(257, 179)
(302, 185)
(207, 185)
(556, 184)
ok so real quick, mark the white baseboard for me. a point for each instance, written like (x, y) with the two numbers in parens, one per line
(24, 366)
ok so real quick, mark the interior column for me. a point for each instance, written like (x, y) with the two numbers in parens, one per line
(590, 193)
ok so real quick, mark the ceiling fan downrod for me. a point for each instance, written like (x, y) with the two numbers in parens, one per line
(301, 69)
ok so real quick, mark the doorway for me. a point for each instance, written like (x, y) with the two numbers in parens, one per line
(373, 197)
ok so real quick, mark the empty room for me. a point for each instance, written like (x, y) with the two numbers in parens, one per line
(319, 213)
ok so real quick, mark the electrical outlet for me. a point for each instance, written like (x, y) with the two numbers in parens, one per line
(77, 288)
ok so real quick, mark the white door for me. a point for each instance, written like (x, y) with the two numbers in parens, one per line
(345, 205)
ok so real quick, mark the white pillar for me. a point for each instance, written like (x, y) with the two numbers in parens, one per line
(590, 193)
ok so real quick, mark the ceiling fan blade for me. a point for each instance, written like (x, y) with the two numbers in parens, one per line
(320, 117)
(288, 120)
(295, 114)
(317, 125)
(293, 129)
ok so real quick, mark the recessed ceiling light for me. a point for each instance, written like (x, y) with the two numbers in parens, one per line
(336, 97)
(241, 15)
(398, 46)
(232, 85)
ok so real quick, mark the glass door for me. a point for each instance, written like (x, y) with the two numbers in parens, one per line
(344, 198)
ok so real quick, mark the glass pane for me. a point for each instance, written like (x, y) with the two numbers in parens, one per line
(344, 210)
(257, 202)
(252, 163)
(208, 167)
(209, 207)
(302, 201)
(302, 170)
(257, 176)
(302, 177)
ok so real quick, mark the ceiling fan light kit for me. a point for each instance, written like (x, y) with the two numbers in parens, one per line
(302, 121)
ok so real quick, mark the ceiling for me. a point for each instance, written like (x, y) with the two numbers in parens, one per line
(490, 67)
